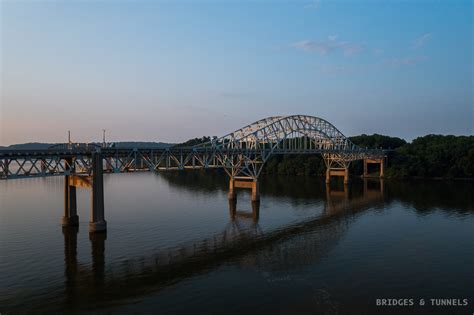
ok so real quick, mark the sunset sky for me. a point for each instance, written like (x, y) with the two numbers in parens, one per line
(173, 70)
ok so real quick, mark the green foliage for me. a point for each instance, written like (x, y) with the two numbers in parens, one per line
(194, 141)
(295, 165)
(434, 156)
(428, 156)
(377, 141)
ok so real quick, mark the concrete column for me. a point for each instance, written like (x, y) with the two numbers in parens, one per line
(70, 217)
(97, 222)
(231, 195)
(255, 191)
(346, 176)
(381, 167)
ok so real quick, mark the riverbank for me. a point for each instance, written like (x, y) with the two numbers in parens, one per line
(419, 178)
(428, 157)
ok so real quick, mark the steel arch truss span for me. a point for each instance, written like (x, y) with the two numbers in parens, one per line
(244, 152)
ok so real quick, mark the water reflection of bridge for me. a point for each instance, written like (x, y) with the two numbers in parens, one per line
(242, 236)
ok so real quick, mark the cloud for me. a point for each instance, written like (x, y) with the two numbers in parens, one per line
(422, 40)
(328, 46)
(315, 4)
(405, 61)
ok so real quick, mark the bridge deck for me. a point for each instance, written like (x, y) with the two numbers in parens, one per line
(53, 162)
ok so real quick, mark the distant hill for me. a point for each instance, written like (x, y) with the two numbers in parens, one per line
(192, 142)
(126, 144)
(28, 146)
(138, 144)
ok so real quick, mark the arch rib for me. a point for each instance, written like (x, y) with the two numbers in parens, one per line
(244, 152)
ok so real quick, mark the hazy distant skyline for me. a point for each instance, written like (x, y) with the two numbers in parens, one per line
(169, 71)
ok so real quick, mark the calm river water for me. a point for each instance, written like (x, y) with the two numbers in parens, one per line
(175, 245)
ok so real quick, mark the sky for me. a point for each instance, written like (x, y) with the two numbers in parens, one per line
(173, 70)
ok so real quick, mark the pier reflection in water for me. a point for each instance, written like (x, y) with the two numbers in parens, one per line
(241, 236)
(82, 284)
(239, 214)
(295, 240)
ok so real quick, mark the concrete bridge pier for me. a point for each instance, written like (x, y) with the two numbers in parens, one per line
(337, 172)
(97, 222)
(241, 182)
(255, 191)
(232, 195)
(70, 217)
(379, 161)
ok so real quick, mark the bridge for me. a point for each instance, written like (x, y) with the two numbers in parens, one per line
(242, 154)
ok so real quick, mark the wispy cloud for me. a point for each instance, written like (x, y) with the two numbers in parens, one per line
(405, 61)
(315, 4)
(422, 40)
(328, 46)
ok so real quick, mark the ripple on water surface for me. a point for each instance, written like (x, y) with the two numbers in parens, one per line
(175, 243)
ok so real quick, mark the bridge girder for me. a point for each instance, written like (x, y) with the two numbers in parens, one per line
(245, 151)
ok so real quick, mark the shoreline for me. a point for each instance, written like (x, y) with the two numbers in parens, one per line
(385, 177)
